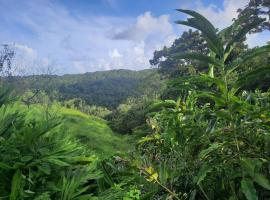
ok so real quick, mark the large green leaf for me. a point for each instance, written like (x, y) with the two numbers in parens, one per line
(227, 33)
(218, 99)
(4, 166)
(204, 170)
(162, 104)
(262, 181)
(58, 162)
(252, 77)
(198, 56)
(254, 53)
(243, 59)
(248, 165)
(16, 185)
(211, 148)
(45, 167)
(248, 189)
(208, 30)
(163, 173)
(241, 34)
(217, 81)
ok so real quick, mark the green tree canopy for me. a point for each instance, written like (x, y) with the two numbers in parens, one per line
(260, 9)
(190, 41)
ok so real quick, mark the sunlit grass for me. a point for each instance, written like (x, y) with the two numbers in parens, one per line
(95, 133)
(91, 131)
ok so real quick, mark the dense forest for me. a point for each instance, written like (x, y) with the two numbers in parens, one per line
(105, 88)
(196, 126)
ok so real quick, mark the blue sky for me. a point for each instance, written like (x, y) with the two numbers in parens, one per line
(78, 36)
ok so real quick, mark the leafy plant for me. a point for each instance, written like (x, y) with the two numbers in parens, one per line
(35, 155)
(213, 140)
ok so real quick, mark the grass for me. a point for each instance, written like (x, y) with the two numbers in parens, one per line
(95, 133)
(89, 130)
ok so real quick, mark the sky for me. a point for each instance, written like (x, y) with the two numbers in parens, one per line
(78, 36)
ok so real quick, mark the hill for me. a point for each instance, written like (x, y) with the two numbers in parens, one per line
(106, 88)
(95, 133)
(90, 131)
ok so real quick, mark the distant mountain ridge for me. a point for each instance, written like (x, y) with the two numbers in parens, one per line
(102, 88)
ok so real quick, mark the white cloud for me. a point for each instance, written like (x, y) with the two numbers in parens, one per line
(115, 54)
(146, 25)
(144, 36)
(78, 44)
(27, 61)
(24, 49)
(219, 16)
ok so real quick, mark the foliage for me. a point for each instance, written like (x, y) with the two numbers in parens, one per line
(189, 41)
(262, 82)
(40, 158)
(79, 104)
(171, 66)
(201, 148)
(213, 143)
(94, 133)
(130, 117)
(106, 89)
(6, 57)
(36, 155)
(259, 9)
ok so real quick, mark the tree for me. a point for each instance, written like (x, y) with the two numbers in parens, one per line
(259, 9)
(6, 56)
(130, 117)
(190, 41)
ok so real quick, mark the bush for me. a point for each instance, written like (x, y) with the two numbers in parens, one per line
(130, 115)
(79, 104)
(38, 160)
(213, 143)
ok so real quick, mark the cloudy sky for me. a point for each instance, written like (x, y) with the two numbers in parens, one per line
(77, 36)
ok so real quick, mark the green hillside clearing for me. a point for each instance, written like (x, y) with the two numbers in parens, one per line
(94, 132)
(91, 131)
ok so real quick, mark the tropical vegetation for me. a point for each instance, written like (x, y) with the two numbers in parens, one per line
(206, 135)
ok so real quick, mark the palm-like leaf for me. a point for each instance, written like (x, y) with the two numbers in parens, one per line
(208, 30)
(253, 76)
(199, 57)
(240, 35)
(226, 33)
(230, 36)
(247, 57)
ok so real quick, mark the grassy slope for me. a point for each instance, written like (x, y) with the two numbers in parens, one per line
(91, 131)
(95, 133)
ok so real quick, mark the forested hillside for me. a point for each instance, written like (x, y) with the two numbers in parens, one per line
(107, 89)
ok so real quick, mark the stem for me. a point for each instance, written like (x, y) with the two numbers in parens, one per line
(203, 192)
(168, 190)
(164, 187)
(236, 142)
(233, 190)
